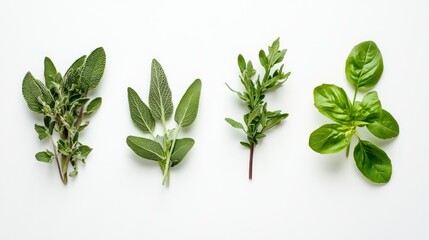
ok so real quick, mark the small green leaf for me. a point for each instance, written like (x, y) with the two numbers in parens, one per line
(45, 156)
(329, 138)
(385, 127)
(84, 150)
(368, 110)
(234, 123)
(160, 99)
(93, 106)
(50, 72)
(93, 69)
(73, 173)
(274, 121)
(263, 58)
(364, 65)
(187, 109)
(76, 65)
(373, 162)
(332, 101)
(146, 148)
(140, 112)
(245, 144)
(241, 63)
(181, 148)
(41, 131)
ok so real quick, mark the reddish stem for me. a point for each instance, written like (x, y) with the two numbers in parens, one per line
(252, 147)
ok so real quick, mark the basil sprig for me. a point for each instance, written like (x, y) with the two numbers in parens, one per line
(364, 67)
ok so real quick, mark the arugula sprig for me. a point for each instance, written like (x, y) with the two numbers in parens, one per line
(364, 67)
(64, 103)
(259, 120)
(166, 149)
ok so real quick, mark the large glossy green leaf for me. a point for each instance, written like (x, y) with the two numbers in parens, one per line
(329, 138)
(385, 127)
(160, 99)
(187, 109)
(373, 162)
(140, 112)
(146, 148)
(181, 148)
(50, 72)
(332, 101)
(368, 110)
(364, 65)
(93, 69)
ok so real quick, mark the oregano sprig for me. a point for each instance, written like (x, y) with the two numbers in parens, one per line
(364, 67)
(259, 120)
(166, 149)
(64, 103)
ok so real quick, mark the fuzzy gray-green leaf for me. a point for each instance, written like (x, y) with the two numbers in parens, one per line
(93, 106)
(41, 131)
(93, 69)
(31, 92)
(160, 99)
(140, 112)
(45, 156)
(146, 148)
(181, 148)
(50, 72)
(187, 109)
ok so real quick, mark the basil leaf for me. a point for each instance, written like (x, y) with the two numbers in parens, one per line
(187, 109)
(140, 112)
(93, 69)
(181, 148)
(145, 148)
(160, 100)
(373, 162)
(50, 72)
(332, 101)
(368, 110)
(385, 127)
(329, 138)
(364, 65)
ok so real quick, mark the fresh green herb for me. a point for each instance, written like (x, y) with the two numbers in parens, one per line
(364, 67)
(64, 103)
(259, 120)
(166, 149)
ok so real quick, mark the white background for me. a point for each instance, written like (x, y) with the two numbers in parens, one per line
(296, 193)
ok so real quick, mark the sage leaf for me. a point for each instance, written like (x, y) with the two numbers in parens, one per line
(160, 99)
(76, 65)
(384, 127)
(368, 110)
(329, 138)
(140, 112)
(332, 101)
(32, 92)
(181, 148)
(364, 65)
(45, 156)
(373, 162)
(93, 106)
(50, 72)
(234, 123)
(93, 69)
(146, 148)
(187, 109)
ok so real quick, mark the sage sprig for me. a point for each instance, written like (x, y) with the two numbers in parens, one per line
(166, 149)
(259, 120)
(364, 67)
(64, 103)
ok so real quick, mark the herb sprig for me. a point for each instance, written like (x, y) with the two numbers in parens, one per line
(259, 120)
(64, 103)
(364, 67)
(166, 149)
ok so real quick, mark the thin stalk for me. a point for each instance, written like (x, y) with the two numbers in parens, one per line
(58, 161)
(167, 163)
(252, 147)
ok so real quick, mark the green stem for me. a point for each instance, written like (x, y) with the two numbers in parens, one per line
(354, 98)
(57, 160)
(167, 163)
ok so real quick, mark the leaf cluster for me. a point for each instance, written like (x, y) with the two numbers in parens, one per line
(64, 104)
(166, 149)
(259, 120)
(364, 67)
